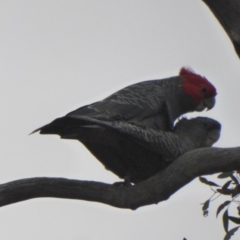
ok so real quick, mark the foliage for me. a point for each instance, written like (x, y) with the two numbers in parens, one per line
(230, 188)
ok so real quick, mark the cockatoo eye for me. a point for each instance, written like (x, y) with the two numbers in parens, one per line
(204, 90)
(205, 125)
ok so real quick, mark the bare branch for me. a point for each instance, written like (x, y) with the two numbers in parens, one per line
(156, 189)
(228, 14)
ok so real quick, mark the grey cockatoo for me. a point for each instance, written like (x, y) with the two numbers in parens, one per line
(136, 153)
(154, 103)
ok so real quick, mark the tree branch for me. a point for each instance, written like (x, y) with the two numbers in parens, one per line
(227, 13)
(156, 189)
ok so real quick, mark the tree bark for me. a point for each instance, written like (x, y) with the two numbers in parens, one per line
(227, 13)
(154, 190)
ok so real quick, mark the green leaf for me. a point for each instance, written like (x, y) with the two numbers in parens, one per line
(225, 175)
(225, 191)
(234, 179)
(222, 206)
(230, 233)
(205, 208)
(236, 191)
(204, 180)
(226, 185)
(205, 205)
(234, 219)
(225, 221)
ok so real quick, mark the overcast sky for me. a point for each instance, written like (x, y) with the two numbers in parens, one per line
(56, 56)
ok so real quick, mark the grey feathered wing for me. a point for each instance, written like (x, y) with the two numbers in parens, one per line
(139, 103)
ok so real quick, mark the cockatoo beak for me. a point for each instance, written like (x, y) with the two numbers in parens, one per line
(213, 137)
(209, 103)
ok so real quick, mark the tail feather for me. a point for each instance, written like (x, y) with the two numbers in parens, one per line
(60, 126)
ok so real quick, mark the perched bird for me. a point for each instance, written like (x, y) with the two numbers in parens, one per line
(135, 153)
(154, 103)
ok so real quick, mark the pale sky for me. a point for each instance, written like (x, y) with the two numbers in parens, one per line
(56, 56)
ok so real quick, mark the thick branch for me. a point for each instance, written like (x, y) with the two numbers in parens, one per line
(228, 14)
(156, 189)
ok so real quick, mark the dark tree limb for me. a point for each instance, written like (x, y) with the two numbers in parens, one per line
(154, 190)
(227, 13)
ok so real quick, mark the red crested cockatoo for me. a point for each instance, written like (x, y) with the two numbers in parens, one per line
(153, 103)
